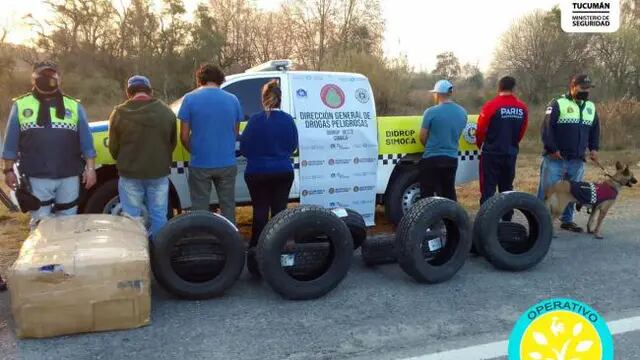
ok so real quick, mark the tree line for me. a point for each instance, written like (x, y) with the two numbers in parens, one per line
(99, 44)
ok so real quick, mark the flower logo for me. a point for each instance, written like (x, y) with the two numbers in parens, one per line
(561, 336)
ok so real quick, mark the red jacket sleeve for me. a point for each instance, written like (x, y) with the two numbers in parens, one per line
(525, 123)
(486, 113)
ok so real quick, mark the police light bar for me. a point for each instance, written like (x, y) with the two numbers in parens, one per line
(273, 65)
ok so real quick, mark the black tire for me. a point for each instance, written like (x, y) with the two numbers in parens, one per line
(290, 228)
(379, 250)
(486, 234)
(433, 265)
(196, 259)
(357, 227)
(394, 197)
(99, 198)
(197, 229)
(513, 237)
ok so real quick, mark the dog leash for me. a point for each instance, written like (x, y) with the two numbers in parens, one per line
(606, 173)
(601, 168)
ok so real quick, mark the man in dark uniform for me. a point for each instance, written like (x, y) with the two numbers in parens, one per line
(501, 126)
(48, 134)
(571, 127)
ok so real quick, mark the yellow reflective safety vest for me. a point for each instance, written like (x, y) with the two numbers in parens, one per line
(28, 107)
(573, 128)
(50, 150)
(572, 113)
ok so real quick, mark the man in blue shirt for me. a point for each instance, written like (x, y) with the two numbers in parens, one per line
(442, 126)
(209, 124)
(48, 133)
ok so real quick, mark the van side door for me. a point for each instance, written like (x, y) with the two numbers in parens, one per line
(248, 90)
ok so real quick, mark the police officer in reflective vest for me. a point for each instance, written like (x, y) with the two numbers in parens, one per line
(571, 127)
(48, 135)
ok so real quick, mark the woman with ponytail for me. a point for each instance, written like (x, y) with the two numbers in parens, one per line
(268, 142)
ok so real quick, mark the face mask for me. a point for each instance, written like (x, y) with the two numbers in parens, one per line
(46, 84)
(582, 95)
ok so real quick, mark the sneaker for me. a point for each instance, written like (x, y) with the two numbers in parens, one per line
(571, 226)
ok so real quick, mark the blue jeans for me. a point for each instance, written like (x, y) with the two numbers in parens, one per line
(152, 194)
(61, 190)
(552, 171)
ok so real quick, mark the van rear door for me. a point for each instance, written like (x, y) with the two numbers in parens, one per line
(336, 118)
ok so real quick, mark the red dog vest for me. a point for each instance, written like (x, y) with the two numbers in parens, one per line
(592, 193)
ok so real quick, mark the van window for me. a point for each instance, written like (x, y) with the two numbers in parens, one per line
(249, 93)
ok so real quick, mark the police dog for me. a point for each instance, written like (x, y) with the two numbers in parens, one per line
(599, 197)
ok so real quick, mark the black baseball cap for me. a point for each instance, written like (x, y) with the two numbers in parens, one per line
(582, 80)
(45, 65)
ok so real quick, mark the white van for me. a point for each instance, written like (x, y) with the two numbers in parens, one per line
(398, 152)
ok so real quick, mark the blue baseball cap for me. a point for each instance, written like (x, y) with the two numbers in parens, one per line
(138, 80)
(442, 87)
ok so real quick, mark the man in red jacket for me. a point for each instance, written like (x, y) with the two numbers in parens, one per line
(502, 123)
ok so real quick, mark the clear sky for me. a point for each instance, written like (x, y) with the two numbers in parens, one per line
(419, 29)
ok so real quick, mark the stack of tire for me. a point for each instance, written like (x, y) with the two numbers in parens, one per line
(434, 237)
(197, 255)
(508, 245)
(432, 241)
(303, 253)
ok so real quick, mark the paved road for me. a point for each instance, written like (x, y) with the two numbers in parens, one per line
(374, 314)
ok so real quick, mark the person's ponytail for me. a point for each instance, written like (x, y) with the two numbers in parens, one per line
(271, 96)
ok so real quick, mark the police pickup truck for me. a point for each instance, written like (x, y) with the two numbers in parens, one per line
(399, 150)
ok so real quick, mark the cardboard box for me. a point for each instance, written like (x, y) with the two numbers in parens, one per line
(80, 274)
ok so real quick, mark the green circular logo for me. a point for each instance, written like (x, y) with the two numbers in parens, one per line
(332, 96)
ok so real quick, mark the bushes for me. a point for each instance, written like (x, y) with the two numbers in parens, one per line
(619, 124)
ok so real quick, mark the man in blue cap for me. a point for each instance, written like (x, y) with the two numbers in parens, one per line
(142, 136)
(442, 126)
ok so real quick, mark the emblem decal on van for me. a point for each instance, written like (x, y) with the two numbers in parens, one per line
(332, 96)
(362, 95)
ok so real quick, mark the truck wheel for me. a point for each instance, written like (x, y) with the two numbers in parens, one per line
(401, 195)
(379, 250)
(104, 199)
(433, 240)
(488, 231)
(305, 252)
(197, 255)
